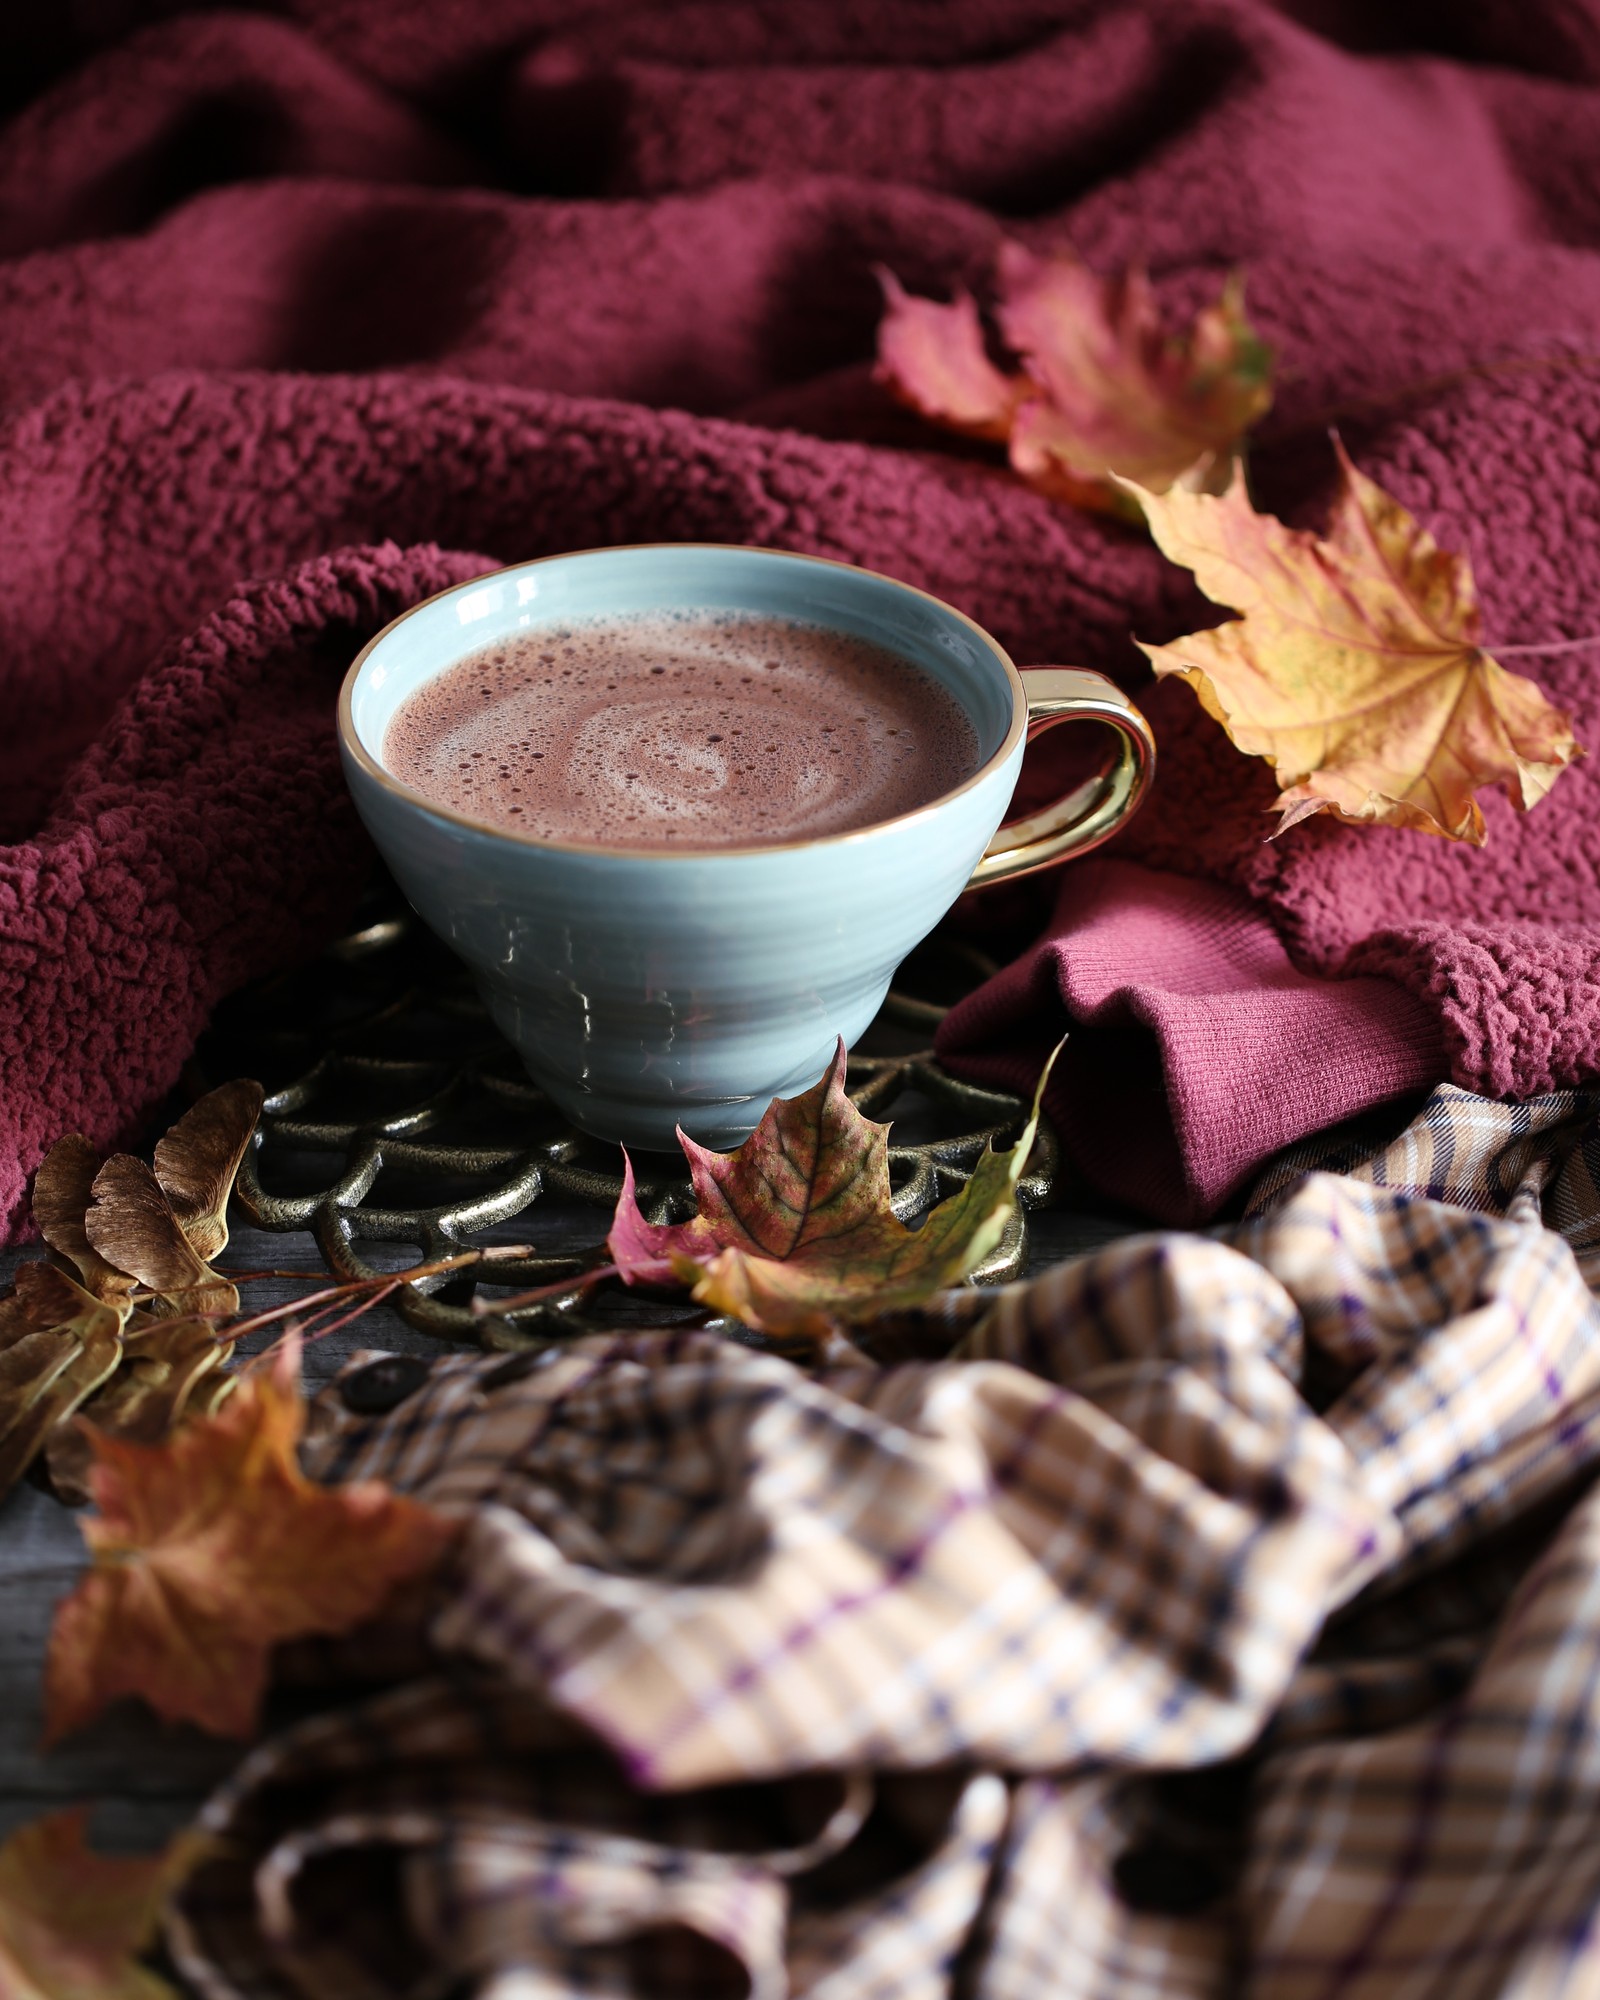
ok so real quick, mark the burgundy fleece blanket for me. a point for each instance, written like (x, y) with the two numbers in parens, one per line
(304, 314)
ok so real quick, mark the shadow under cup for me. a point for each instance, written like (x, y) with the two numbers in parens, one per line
(645, 989)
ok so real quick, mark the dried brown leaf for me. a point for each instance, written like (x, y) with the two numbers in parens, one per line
(61, 1196)
(164, 1361)
(132, 1225)
(73, 1923)
(57, 1345)
(196, 1162)
(209, 1394)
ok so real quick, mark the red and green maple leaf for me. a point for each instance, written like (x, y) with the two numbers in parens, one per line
(795, 1230)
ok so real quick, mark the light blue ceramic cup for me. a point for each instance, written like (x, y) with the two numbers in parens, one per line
(647, 990)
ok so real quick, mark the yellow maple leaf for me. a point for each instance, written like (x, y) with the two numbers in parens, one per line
(1355, 667)
(212, 1547)
(72, 1922)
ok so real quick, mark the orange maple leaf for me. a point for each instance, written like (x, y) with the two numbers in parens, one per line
(72, 1922)
(1355, 668)
(209, 1549)
(1104, 387)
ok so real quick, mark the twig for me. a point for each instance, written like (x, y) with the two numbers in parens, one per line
(489, 1253)
(383, 1282)
(583, 1282)
(356, 1311)
(309, 1331)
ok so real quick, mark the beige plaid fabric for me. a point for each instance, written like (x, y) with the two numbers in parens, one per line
(1221, 1617)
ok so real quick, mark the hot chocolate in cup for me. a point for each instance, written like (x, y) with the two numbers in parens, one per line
(657, 957)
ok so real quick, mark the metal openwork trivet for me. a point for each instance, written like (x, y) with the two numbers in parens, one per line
(400, 1126)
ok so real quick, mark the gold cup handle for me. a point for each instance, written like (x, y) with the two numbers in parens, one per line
(1094, 810)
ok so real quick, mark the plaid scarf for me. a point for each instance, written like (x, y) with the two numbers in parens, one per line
(1219, 1615)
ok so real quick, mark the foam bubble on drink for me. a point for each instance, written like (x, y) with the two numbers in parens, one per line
(681, 729)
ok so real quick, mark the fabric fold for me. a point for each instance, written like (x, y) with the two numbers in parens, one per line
(1195, 1050)
(1218, 1616)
